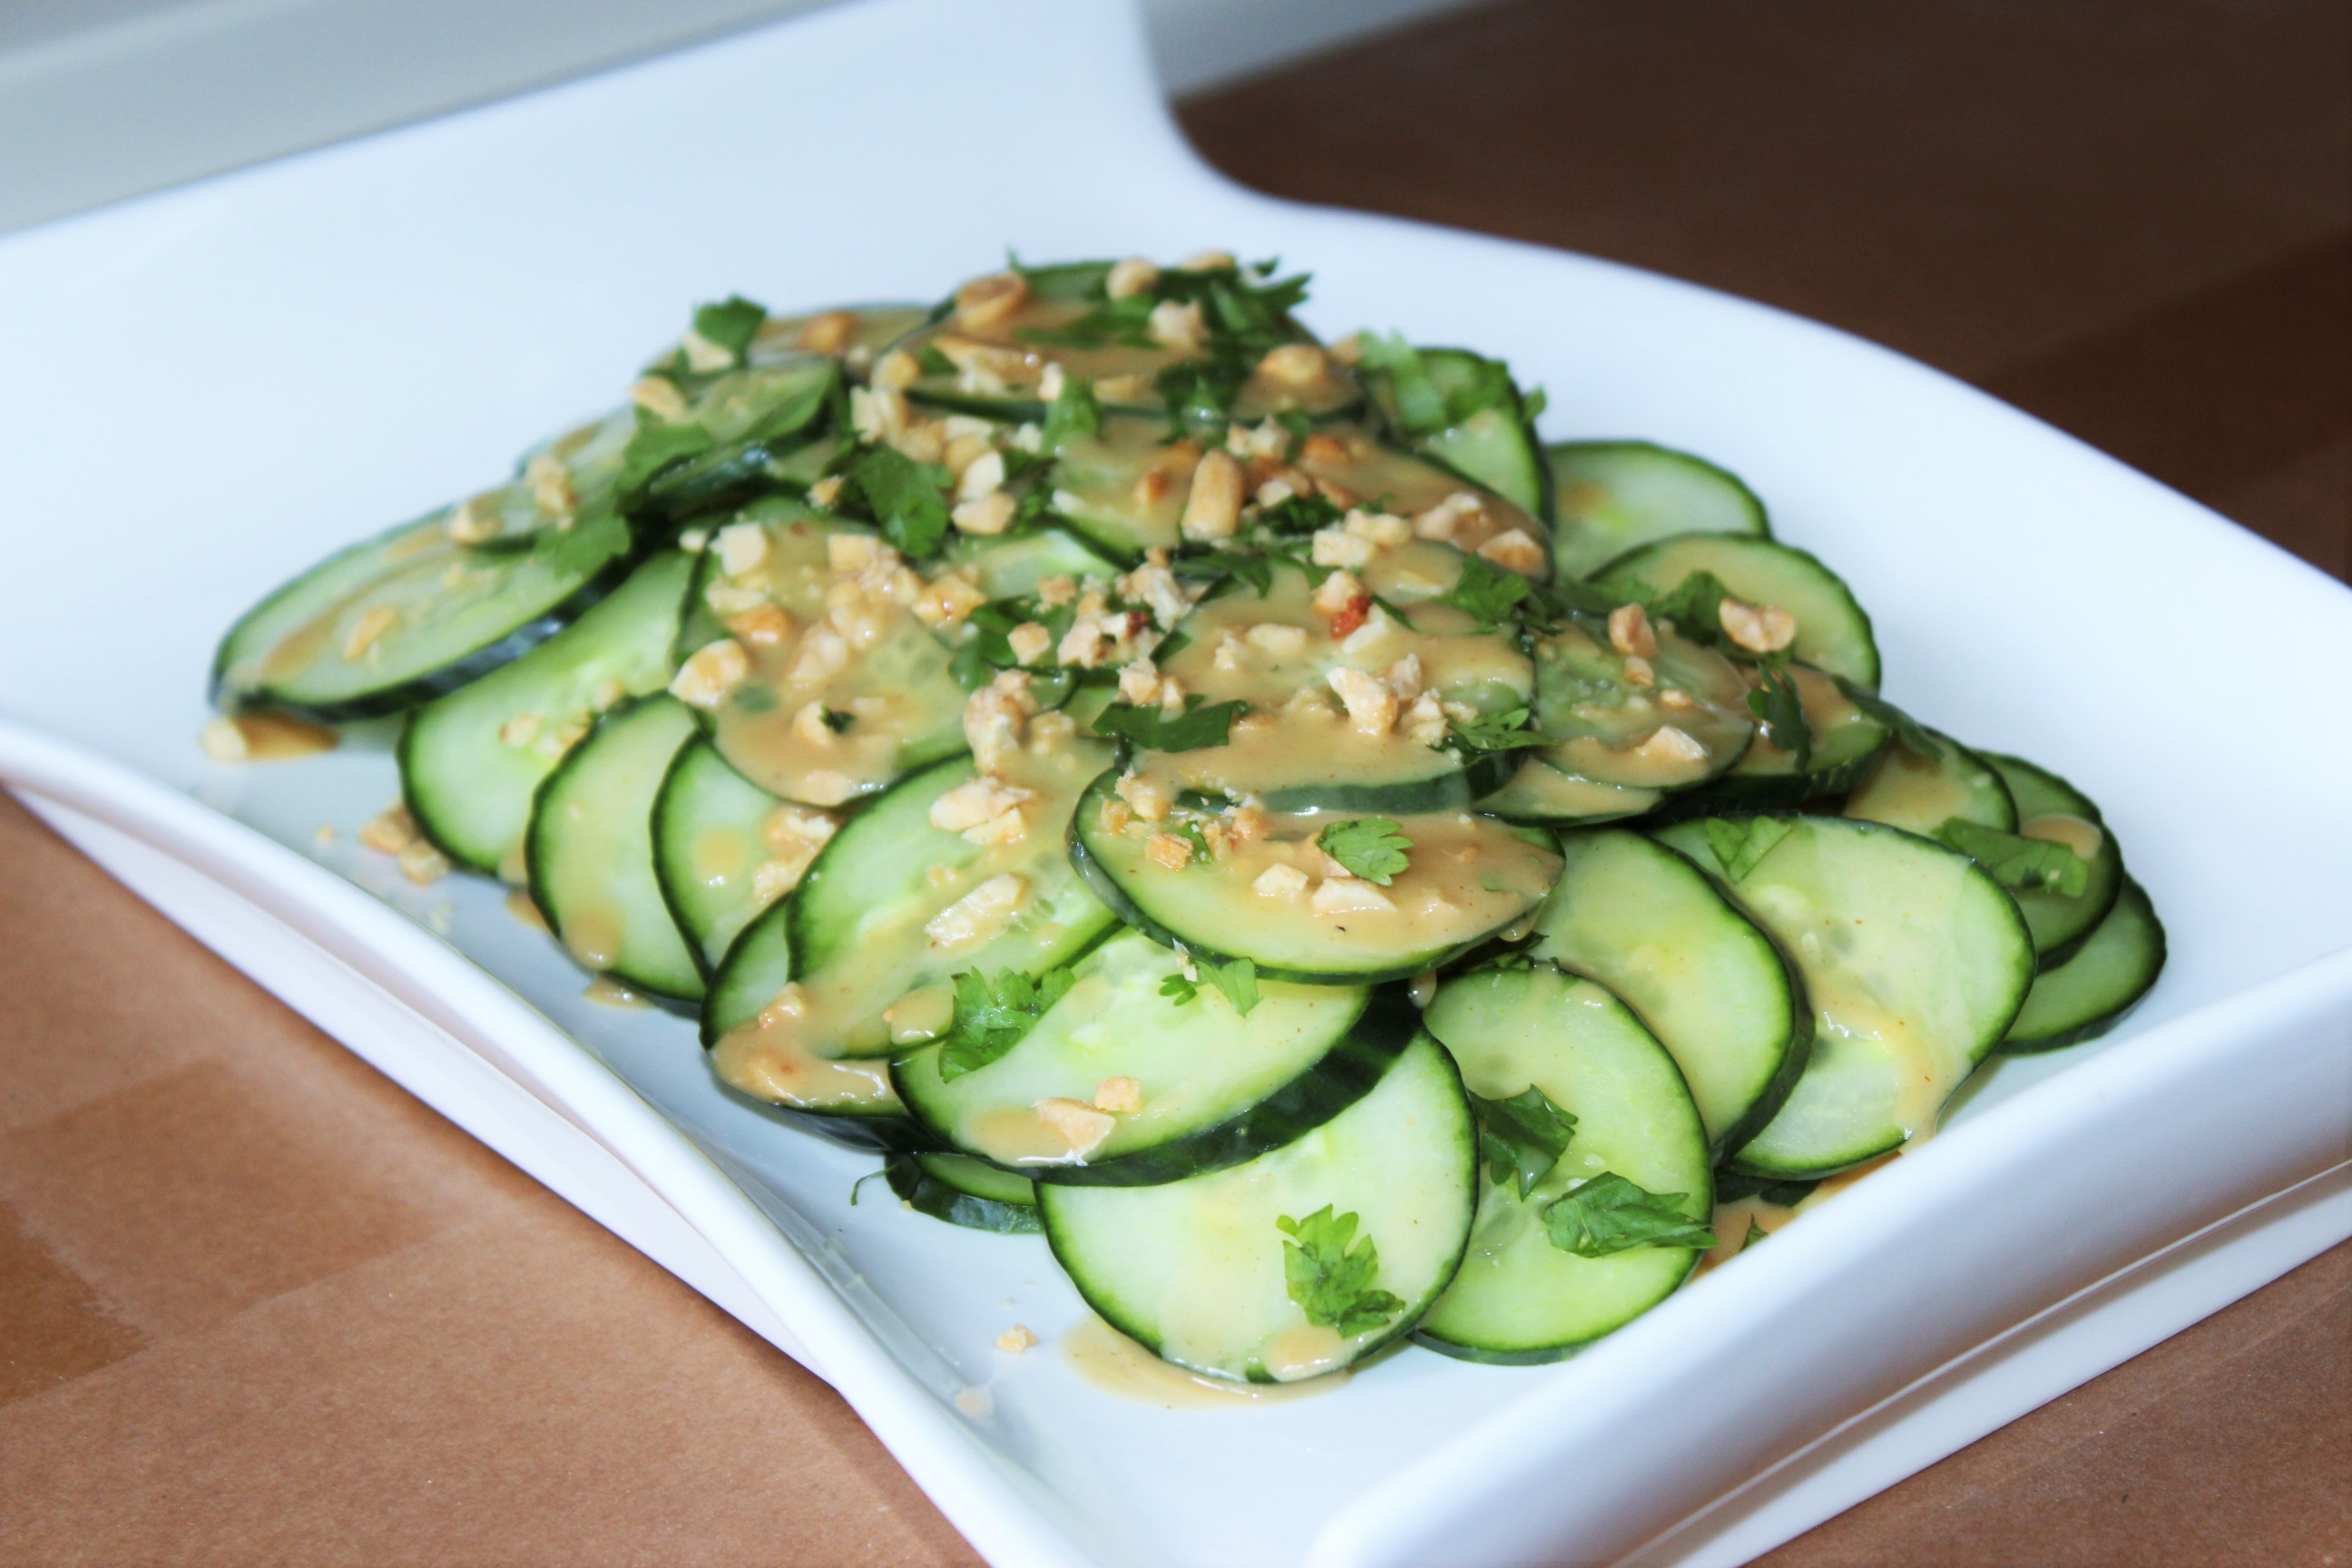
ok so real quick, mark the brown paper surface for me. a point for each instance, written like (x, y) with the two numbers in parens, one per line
(259, 1306)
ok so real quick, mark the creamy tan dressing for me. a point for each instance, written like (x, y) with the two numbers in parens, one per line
(722, 855)
(1913, 792)
(265, 738)
(1828, 711)
(1731, 1222)
(519, 906)
(1615, 727)
(1364, 468)
(606, 992)
(2079, 834)
(1118, 1365)
(1017, 1135)
(592, 934)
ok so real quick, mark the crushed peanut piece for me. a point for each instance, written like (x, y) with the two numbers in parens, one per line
(1279, 882)
(986, 301)
(1213, 509)
(1029, 641)
(659, 396)
(1668, 744)
(1169, 851)
(1081, 1127)
(421, 864)
(709, 673)
(984, 514)
(1015, 1340)
(389, 831)
(1121, 1095)
(826, 333)
(1758, 629)
(742, 547)
(1371, 706)
(368, 628)
(1293, 364)
(1347, 896)
(762, 626)
(1515, 550)
(979, 914)
(896, 371)
(1631, 634)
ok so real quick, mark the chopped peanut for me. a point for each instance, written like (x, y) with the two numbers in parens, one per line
(1347, 896)
(470, 523)
(789, 828)
(1668, 744)
(810, 725)
(986, 301)
(1267, 441)
(1015, 1340)
(659, 396)
(1213, 509)
(1169, 851)
(1631, 634)
(1293, 364)
(827, 332)
(742, 547)
(1145, 794)
(1276, 637)
(1336, 592)
(550, 485)
(993, 718)
(1121, 1095)
(898, 370)
(1381, 529)
(389, 831)
(1444, 520)
(825, 492)
(1030, 641)
(1139, 683)
(948, 600)
(1338, 547)
(1323, 449)
(710, 673)
(974, 801)
(1279, 882)
(1057, 590)
(1758, 629)
(984, 476)
(1116, 815)
(1515, 550)
(984, 514)
(1177, 326)
(979, 914)
(1639, 673)
(1371, 706)
(1129, 278)
(704, 356)
(1081, 1127)
(1206, 261)
(520, 730)
(762, 626)
(421, 864)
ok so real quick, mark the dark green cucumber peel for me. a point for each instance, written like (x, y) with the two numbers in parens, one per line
(2062, 924)
(2092, 992)
(914, 1179)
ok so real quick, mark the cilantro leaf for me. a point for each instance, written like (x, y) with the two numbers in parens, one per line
(1781, 711)
(1694, 604)
(1914, 736)
(1740, 842)
(1075, 414)
(1506, 732)
(1299, 515)
(1200, 392)
(1156, 731)
(1610, 1215)
(1370, 846)
(594, 537)
(1256, 571)
(906, 497)
(1179, 989)
(1756, 1233)
(1487, 592)
(1330, 1274)
(992, 1016)
(931, 362)
(1237, 978)
(1521, 1138)
(654, 446)
(2018, 862)
(730, 324)
(1420, 402)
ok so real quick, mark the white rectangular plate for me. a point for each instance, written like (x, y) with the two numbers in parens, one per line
(211, 388)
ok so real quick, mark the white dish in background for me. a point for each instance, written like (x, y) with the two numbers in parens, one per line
(215, 387)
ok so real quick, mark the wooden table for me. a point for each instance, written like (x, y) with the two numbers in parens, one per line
(256, 1305)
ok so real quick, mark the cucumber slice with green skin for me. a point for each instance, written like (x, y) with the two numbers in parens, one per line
(470, 761)
(1541, 793)
(1218, 1086)
(592, 852)
(1309, 754)
(1847, 743)
(1611, 730)
(1483, 434)
(1195, 1270)
(1518, 1299)
(998, 364)
(2049, 807)
(890, 912)
(1609, 497)
(893, 702)
(848, 1102)
(1914, 959)
(1920, 794)
(2088, 994)
(855, 335)
(1642, 921)
(737, 423)
(710, 848)
(965, 1192)
(400, 618)
(1468, 878)
(1832, 631)
(1011, 566)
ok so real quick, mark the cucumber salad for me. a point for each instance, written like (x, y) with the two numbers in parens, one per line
(1240, 805)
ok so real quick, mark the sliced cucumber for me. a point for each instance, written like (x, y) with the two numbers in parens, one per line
(711, 851)
(1195, 1270)
(1483, 434)
(1216, 1086)
(470, 761)
(841, 696)
(1920, 794)
(1518, 1298)
(1847, 741)
(1914, 959)
(1832, 631)
(1670, 722)
(1309, 754)
(1267, 898)
(2049, 807)
(2089, 993)
(400, 619)
(1539, 793)
(592, 853)
(741, 430)
(1645, 922)
(1011, 566)
(1610, 496)
(892, 910)
(851, 1101)
(854, 334)
(965, 1192)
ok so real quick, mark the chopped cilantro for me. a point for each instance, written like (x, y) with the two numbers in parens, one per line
(1299, 515)
(594, 537)
(1156, 731)
(1694, 604)
(931, 362)
(1913, 735)
(654, 446)
(1756, 1233)
(1608, 1215)
(1075, 414)
(1487, 592)
(991, 1017)
(1521, 1138)
(2018, 862)
(1510, 731)
(1781, 711)
(907, 497)
(1370, 846)
(1236, 978)
(1420, 402)
(730, 324)
(1740, 842)
(1330, 1273)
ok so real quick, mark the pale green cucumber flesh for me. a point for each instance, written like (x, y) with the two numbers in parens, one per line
(1920, 794)
(2060, 922)
(708, 848)
(964, 1191)
(2090, 993)
(1610, 496)
(1832, 630)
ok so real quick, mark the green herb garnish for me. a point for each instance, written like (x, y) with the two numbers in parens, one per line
(1913, 736)
(1740, 842)
(1075, 414)
(1236, 978)
(1506, 732)
(992, 1017)
(1330, 1273)
(1521, 1138)
(1369, 846)
(1610, 1215)
(1781, 710)
(1154, 731)
(907, 497)
(2018, 862)
(730, 324)
(1488, 593)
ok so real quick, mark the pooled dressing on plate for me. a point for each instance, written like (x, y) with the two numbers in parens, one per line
(1111, 1362)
